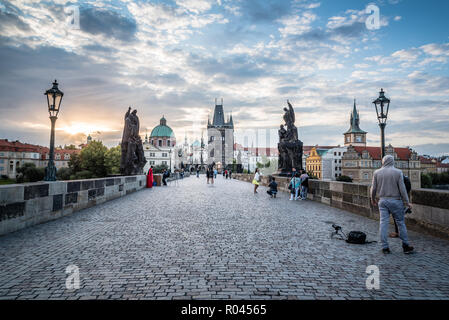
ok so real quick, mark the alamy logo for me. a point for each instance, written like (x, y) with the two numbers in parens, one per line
(373, 281)
(73, 279)
(73, 17)
(373, 20)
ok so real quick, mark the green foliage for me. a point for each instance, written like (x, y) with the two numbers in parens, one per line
(70, 147)
(63, 173)
(245, 171)
(93, 158)
(234, 165)
(84, 174)
(75, 162)
(112, 160)
(344, 179)
(259, 165)
(438, 178)
(29, 173)
(160, 168)
(426, 181)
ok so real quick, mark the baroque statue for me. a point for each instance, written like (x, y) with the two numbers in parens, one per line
(133, 157)
(289, 146)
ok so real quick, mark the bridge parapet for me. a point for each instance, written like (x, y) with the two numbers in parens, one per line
(430, 213)
(28, 204)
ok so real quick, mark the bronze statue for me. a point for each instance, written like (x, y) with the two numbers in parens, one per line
(133, 158)
(289, 146)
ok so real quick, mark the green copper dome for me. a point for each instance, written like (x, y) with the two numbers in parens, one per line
(162, 130)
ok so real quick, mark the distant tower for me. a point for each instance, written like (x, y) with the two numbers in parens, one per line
(220, 137)
(355, 136)
(89, 139)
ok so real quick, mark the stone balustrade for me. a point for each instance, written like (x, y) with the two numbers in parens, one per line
(28, 204)
(430, 213)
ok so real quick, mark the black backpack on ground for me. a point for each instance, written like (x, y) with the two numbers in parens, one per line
(355, 237)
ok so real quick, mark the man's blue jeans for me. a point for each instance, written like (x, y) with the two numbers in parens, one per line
(304, 192)
(396, 208)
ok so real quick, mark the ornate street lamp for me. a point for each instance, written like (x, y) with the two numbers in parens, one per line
(382, 105)
(54, 98)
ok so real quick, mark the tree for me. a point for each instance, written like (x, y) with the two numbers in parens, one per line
(426, 181)
(344, 179)
(75, 163)
(92, 158)
(112, 160)
(29, 173)
(63, 173)
(70, 147)
(160, 168)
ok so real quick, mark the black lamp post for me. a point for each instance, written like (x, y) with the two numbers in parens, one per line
(54, 98)
(382, 105)
(169, 151)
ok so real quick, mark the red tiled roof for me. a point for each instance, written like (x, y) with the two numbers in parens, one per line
(425, 160)
(376, 153)
(17, 146)
(442, 165)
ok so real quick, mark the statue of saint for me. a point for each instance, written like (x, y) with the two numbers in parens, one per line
(133, 158)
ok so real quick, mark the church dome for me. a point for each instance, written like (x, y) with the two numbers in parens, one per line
(162, 130)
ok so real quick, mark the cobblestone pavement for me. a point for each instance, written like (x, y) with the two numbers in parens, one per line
(214, 242)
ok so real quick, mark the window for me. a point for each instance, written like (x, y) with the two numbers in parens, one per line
(2, 161)
(160, 143)
(358, 138)
(348, 138)
(339, 161)
(152, 154)
(164, 155)
(1, 154)
(339, 153)
(212, 138)
(335, 160)
(151, 162)
(164, 162)
(366, 176)
(335, 153)
(168, 143)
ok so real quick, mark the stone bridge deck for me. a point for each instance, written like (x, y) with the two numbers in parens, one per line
(214, 242)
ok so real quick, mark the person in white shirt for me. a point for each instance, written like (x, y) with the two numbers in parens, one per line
(256, 180)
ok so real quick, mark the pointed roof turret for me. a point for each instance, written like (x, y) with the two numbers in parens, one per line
(355, 121)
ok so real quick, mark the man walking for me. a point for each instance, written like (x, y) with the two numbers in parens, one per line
(388, 185)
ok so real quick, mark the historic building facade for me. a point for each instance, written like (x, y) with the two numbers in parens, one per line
(360, 161)
(332, 163)
(314, 162)
(159, 147)
(220, 138)
(14, 154)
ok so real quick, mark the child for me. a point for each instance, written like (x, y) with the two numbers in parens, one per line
(273, 188)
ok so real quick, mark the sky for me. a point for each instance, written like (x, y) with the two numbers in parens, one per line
(173, 58)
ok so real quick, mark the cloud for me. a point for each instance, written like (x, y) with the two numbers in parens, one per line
(108, 23)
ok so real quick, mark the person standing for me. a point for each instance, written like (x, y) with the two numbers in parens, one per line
(208, 174)
(304, 185)
(295, 184)
(197, 172)
(215, 173)
(165, 175)
(256, 180)
(388, 185)
(150, 178)
(230, 174)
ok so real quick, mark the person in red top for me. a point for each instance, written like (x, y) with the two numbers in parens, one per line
(150, 178)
